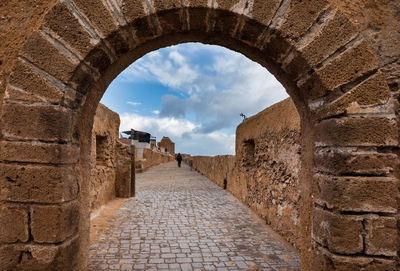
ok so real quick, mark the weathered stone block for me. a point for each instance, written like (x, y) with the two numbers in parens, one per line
(357, 132)
(263, 12)
(372, 92)
(351, 162)
(53, 224)
(98, 59)
(39, 152)
(334, 34)
(198, 19)
(340, 233)
(24, 77)
(133, 9)
(99, 15)
(171, 21)
(162, 5)
(44, 184)
(13, 224)
(225, 22)
(66, 25)
(346, 68)
(42, 53)
(300, 16)
(381, 235)
(37, 122)
(34, 257)
(359, 194)
(324, 260)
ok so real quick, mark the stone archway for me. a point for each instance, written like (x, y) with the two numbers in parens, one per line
(64, 67)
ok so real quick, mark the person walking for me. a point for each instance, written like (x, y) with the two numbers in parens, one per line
(179, 159)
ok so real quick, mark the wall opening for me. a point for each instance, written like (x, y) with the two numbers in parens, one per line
(101, 150)
(249, 149)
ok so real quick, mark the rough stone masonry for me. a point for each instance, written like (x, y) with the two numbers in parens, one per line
(338, 60)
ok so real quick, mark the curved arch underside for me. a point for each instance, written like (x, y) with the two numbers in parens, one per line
(348, 118)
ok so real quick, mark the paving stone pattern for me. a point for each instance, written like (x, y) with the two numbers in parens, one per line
(180, 220)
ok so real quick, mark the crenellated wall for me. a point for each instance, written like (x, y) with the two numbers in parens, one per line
(264, 174)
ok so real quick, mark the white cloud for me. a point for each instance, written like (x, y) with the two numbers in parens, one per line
(182, 132)
(215, 92)
(157, 126)
(133, 103)
(171, 70)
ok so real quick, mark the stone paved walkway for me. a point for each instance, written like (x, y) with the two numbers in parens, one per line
(180, 220)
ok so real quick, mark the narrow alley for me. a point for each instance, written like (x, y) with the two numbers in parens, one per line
(179, 220)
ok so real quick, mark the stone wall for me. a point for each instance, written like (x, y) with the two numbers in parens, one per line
(110, 160)
(124, 187)
(55, 63)
(152, 158)
(264, 174)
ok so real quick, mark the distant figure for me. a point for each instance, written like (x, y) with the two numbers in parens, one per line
(179, 159)
(190, 164)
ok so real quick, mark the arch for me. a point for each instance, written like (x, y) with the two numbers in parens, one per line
(64, 67)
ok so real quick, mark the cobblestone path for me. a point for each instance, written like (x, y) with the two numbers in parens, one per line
(179, 220)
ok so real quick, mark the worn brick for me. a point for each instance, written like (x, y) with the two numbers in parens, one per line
(31, 257)
(26, 78)
(13, 224)
(133, 10)
(370, 93)
(300, 16)
(334, 34)
(171, 21)
(37, 122)
(44, 184)
(357, 132)
(60, 20)
(162, 5)
(43, 54)
(325, 260)
(264, 15)
(351, 162)
(197, 19)
(381, 235)
(100, 17)
(340, 233)
(53, 224)
(347, 67)
(359, 194)
(39, 152)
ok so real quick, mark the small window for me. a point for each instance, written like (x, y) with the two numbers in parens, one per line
(101, 150)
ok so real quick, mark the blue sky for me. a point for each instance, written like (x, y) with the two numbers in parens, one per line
(193, 93)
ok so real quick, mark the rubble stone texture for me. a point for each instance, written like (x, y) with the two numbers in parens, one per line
(264, 174)
(180, 220)
(105, 135)
(338, 60)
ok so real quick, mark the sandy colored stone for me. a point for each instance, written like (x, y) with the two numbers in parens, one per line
(13, 224)
(60, 20)
(340, 233)
(357, 132)
(43, 54)
(54, 224)
(40, 152)
(380, 232)
(357, 194)
(52, 123)
(44, 184)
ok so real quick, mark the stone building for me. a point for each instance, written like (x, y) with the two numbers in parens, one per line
(166, 145)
